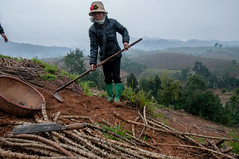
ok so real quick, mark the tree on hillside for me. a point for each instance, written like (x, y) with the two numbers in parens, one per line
(184, 75)
(132, 82)
(207, 105)
(232, 107)
(171, 91)
(152, 85)
(194, 85)
(74, 62)
(131, 67)
(200, 102)
(201, 70)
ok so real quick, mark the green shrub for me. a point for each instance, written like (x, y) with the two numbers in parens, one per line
(86, 89)
(118, 129)
(51, 68)
(141, 99)
(234, 144)
(49, 77)
(39, 62)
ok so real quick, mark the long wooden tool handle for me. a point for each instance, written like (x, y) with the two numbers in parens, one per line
(117, 53)
(76, 126)
(83, 74)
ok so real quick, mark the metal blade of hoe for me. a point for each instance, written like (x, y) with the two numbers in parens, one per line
(58, 97)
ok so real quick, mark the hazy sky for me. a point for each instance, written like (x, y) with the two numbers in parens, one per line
(66, 22)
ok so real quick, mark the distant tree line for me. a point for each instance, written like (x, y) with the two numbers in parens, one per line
(190, 90)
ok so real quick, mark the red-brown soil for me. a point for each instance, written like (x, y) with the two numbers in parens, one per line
(98, 110)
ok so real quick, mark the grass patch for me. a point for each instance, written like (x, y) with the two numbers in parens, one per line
(118, 130)
(140, 100)
(48, 76)
(234, 144)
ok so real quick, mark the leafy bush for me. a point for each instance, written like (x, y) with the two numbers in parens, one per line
(49, 76)
(39, 62)
(140, 100)
(234, 144)
(51, 68)
(118, 129)
(86, 88)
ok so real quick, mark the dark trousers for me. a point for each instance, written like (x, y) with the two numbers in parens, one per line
(111, 71)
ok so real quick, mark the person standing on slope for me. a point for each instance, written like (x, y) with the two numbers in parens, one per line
(103, 40)
(3, 34)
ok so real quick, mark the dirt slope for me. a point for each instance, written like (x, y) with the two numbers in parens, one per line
(77, 107)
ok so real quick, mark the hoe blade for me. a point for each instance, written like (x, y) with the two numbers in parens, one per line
(58, 97)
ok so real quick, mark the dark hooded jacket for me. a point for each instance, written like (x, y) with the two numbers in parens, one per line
(1, 29)
(104, 38)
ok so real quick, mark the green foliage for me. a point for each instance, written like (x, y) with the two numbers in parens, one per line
(132, 82)
(232, 109)
(118, 129)
(228, 82)
(153, 72)
(39, 62)
(234, 144)
(200, 102)
(145, 138)
(129, 94)
(3, 56)
(201, 70)
(63, 73)
(152, 85)
(51, 68)
(48, 76)
(86, 88)
(171, 92)
(74, 62)
(184, 75)
(200, 140)
(131, 67)
(97, 77)
(194, 85)
(141, 99)
(206, 105)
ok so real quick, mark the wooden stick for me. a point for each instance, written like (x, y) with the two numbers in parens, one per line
(10, 154)
(195, 147)
(171, 132)
(35, 144)
(82, 152)
(44, 114)
(133, 127)
(143, 127)
(56, 116)
(145, 119)
(45, 141)
(87, 144)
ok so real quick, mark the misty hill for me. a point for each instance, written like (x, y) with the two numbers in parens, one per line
(226, 53)
(159, 44)
(24, 50)
(176, 61)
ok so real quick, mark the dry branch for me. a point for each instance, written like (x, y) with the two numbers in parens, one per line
(195, 147)
(44, 140)
(171, 132)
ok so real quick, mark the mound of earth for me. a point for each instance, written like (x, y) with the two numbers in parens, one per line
(174, 134)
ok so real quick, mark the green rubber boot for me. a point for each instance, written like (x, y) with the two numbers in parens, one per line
(118, 91)
(109, 90)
